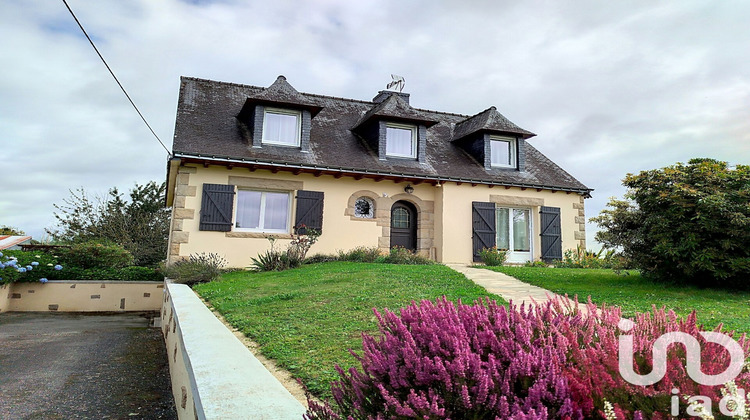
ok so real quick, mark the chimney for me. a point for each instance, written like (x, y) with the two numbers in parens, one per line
(384, 94)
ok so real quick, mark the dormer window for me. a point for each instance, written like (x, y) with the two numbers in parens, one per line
(401, 140)
(281, 127)
(503, 152)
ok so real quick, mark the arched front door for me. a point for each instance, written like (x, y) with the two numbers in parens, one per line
(404, 225)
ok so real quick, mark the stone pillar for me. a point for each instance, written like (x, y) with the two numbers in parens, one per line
(580, 234)
(180, 213)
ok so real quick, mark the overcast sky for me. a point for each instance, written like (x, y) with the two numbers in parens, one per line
(610, 87)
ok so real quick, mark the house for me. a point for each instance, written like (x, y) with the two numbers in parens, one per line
(251, 163)
(13, 242)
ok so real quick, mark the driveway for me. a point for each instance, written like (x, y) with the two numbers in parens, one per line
(80, 366)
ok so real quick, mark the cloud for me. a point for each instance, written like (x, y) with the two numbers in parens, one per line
(610, 88)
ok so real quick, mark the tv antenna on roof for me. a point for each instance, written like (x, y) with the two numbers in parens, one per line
(397, 82)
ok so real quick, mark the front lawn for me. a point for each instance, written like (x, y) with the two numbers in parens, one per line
(306, 319)
(634, 293)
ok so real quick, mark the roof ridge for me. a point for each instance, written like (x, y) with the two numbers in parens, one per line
(317, 95)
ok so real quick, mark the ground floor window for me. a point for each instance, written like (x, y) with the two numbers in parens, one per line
(263, 211)
(514, 232)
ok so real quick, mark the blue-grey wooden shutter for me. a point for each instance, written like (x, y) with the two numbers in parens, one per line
(551, 233)
(483, 230)
(309, 212)
(216, 207)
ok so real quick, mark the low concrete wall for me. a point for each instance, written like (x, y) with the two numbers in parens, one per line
(81, 296)
(214, 376)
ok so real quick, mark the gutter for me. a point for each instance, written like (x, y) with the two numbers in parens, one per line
(199, 158)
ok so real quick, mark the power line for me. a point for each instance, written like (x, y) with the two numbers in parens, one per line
(116, 79)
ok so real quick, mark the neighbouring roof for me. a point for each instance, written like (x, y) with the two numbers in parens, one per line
(208, 126)
(7, 241)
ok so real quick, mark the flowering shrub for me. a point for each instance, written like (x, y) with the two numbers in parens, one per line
(445, 360)
(16, 266)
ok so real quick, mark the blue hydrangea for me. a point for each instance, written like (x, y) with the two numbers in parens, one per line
(29, 268)
(2, 266)
(34, 263)
(1, 254)
(21, 270)
(58, 267)
(43, 280)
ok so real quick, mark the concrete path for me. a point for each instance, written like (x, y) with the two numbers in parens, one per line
(510, 288)
(82, 366)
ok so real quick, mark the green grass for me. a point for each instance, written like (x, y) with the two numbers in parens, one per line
(306, 319)
(635, 294)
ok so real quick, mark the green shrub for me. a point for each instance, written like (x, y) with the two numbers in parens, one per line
(96, 255)
(537, 263)
(132, 273)
(293, 257)
(684, 224)
(136, 273)
(268, 261)
(361, 254)
(582, 258)
(197, 268)
(399, 255)
(321, 258)
(492, 256)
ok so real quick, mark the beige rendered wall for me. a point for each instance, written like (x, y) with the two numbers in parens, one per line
(4, 297)
(341, 230)
(455, 214)
(444, 230)
(82, 296)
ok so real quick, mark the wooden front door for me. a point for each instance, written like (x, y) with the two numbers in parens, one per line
(404, 225)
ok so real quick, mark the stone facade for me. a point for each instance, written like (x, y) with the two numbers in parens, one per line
(180, 213)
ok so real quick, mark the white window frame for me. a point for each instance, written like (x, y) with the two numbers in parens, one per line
(413, 130)
(281, 111)
(261, 217)
(513, 151)
(518, 256)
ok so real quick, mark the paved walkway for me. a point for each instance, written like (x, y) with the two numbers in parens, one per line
(510, 288)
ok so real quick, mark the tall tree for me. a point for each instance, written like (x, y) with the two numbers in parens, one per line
(686, 223)
(139, 222)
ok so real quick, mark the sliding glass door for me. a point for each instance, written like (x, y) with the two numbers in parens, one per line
(514, 233)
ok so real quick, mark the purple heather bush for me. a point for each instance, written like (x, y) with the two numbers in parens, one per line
(485, 361)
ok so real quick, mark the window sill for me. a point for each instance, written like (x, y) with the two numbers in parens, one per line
(363, 219)
(288, 145)
(236, 234)
(387, 156)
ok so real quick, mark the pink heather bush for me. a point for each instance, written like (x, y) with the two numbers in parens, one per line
(483, 361)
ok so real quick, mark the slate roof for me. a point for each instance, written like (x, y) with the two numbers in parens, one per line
(395, 108)
(488, 120)
(208, 127)
(282, 93)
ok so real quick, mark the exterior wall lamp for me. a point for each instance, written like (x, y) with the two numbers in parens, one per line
(409, 189)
